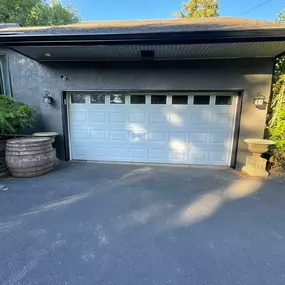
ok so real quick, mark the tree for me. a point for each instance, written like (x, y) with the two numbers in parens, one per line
(198, 9)
(281, 16)
(37, 12)
(14, 116)
(276, 110)
(276, 119)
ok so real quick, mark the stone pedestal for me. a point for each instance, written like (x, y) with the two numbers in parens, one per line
(52, 136)
(256, 165)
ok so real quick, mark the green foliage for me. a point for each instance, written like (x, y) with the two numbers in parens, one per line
(198, 9)
(276, 112)
(14, 116)
(281, 16)
(277, 122)
(37, 12)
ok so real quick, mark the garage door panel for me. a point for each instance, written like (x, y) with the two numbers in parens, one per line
(198, 156)
(157, 154)
(137, 154)
(77, 143)
(98, 152)
(203, 129)
(218, 157)
(80, 151)
(207, 147)
(179, 119)
(158, 136)
(90, 153)
(117, 117)
(118, 153)
(119, 135)
(178, 155)
(79, 116)
(79, 125)
(138, 136)
(177, 137)
(138, 117)
(98, 117)
(158, 118)
(200, 118)
(99, 135)
(225, 119)
(190, 134)
(80, 134)
(197, 137)
(220, 137)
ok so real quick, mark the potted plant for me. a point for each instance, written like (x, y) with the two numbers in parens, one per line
(14, 118)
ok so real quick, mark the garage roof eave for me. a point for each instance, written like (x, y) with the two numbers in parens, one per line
(158, 38)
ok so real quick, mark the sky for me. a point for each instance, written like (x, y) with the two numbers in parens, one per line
(102, 10)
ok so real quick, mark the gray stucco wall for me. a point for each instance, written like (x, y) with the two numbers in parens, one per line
(30, 79)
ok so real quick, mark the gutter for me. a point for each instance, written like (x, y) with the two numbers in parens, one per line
(197, 37)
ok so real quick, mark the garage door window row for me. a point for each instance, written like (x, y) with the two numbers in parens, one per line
(154, 99)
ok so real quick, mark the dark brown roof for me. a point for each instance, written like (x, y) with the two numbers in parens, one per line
(149, 26)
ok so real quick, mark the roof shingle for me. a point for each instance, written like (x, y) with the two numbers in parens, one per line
(149, 26)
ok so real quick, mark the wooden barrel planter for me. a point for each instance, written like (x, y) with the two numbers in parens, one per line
(29, 157)
(3, 165)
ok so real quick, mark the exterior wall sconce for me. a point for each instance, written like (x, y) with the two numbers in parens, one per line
(47, 99)
(259, 101)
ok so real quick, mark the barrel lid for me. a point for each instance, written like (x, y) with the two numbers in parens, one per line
(45, 134)
(29, 140)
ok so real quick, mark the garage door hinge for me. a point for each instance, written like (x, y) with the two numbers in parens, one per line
(64, 101)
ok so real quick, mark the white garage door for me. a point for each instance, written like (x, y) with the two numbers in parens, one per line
(189, 129)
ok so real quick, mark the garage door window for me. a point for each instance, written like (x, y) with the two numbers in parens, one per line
(117, 99)
(78, 99)
(97, 99)
(223, 100)
(158, 99)
(179, 99)
(201, 100)
(137, 99)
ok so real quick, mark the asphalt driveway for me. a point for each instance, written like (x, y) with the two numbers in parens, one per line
(138, 224)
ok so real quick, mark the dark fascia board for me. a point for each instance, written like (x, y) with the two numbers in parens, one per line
(196, 37)
(154, 91)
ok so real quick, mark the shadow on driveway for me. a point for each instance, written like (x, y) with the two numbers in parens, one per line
(141, 224)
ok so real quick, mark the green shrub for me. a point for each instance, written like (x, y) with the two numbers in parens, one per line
(14, 116)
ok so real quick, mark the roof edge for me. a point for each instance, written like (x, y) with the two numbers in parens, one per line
(191, 37)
